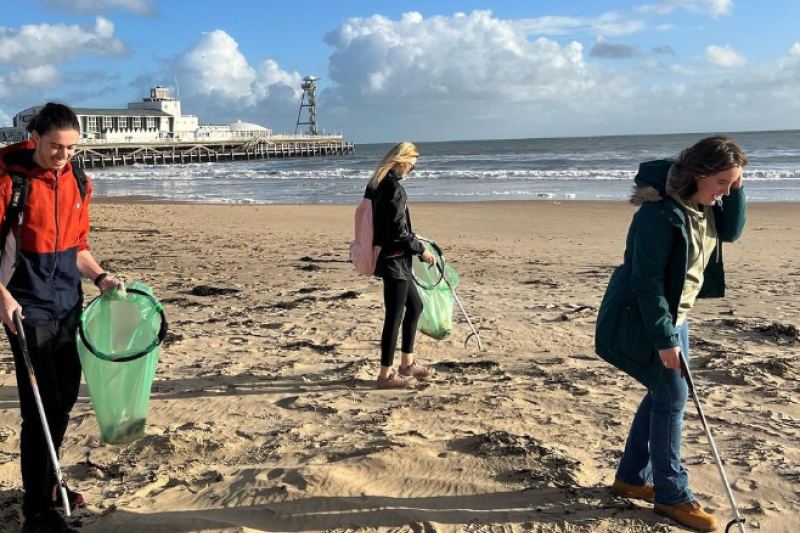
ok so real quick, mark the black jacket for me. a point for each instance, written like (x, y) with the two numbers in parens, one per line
(392, 228)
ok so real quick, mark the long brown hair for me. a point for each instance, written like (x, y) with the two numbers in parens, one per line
(707, 157)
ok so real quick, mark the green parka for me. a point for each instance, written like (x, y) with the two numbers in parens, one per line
(637, 316)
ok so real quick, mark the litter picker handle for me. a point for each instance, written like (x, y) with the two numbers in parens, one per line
(739, 520)
(23, 344)
(438, 250)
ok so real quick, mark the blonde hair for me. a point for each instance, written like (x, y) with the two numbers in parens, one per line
(403, 152)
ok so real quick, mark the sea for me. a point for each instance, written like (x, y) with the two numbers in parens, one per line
(560, 169)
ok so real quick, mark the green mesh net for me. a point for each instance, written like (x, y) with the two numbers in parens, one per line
(119, 343)
(436, 320)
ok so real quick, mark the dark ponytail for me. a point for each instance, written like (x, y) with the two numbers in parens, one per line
(54, 117)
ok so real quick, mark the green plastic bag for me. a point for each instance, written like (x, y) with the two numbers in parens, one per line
(436, 320)
(119, 342)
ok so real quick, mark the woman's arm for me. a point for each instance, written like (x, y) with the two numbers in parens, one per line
(653, 242)
(730, 218)
(394, 210)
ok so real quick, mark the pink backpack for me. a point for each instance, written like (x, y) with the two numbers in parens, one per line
(362, 252)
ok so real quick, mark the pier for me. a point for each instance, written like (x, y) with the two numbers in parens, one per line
(100, 155)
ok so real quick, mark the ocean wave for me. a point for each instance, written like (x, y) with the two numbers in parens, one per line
(216, 173)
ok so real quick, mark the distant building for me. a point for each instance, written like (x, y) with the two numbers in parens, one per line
(154, 119)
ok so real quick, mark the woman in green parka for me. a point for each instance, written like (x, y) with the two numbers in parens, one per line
(673, 255)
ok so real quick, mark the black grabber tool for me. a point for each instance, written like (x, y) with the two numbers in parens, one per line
(23, 343)
(739, 520)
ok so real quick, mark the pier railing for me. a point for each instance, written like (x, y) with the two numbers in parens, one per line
(171, 152)
(279, 138)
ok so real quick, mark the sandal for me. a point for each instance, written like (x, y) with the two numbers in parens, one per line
(395, 381)
(417, 371)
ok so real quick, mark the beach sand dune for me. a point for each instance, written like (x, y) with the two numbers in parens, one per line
(264, 415)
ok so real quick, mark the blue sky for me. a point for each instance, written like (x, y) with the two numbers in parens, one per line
(430, 70)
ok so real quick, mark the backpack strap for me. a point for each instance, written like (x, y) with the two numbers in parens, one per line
(15, 212)
(81, 180)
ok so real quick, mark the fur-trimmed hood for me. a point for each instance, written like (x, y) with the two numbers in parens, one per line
(651, 181)
(641, 195)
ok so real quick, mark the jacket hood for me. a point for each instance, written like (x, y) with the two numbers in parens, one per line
(18, 157)
(651, 181)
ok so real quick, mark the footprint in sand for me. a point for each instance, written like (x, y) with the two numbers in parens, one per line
(414, 527)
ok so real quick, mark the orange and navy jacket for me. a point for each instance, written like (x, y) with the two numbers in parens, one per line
(46, 281)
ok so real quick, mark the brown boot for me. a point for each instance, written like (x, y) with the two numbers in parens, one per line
(416, 370)
(621, 489)
(688, 514)
(395, 381)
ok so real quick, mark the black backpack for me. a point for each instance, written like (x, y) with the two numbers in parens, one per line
(15, 211)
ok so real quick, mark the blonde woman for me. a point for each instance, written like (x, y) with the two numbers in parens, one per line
(395, 236)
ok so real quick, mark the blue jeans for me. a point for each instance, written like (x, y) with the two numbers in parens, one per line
(653, 451)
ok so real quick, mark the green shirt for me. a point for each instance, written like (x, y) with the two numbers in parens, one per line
(702, 234)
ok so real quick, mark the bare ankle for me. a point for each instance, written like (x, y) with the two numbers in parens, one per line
(406, 360)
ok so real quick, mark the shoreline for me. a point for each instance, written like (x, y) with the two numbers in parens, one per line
(147, 200)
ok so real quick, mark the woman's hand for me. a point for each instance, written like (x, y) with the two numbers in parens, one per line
(738, 183)
(671, 357)
(428, 258)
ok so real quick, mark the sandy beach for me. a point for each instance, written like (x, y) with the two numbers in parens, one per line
(264, 414)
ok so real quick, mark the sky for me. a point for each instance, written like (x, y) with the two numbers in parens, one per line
(421, 71)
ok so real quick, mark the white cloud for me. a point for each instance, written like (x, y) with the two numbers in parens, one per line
(609, 24)
(139, 7)
(22, 80)
(679, 89)
(714, 8)
(474, 75)
(613, 25)
(724, 56)
(5, 119)
(467, 74)
(218, 82)
(270, 74)
(47, 44)
(462, 57)
(40, 76)
(214, 64)
(763, 96)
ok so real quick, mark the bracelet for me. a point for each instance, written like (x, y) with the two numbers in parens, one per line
(100, 278)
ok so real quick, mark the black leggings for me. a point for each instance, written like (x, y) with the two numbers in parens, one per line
(397, 294)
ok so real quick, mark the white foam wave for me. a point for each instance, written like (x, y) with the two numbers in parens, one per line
(220, 172)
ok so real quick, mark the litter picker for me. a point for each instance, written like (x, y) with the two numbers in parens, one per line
(739, 520)
(23, 343)
(440, 265)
